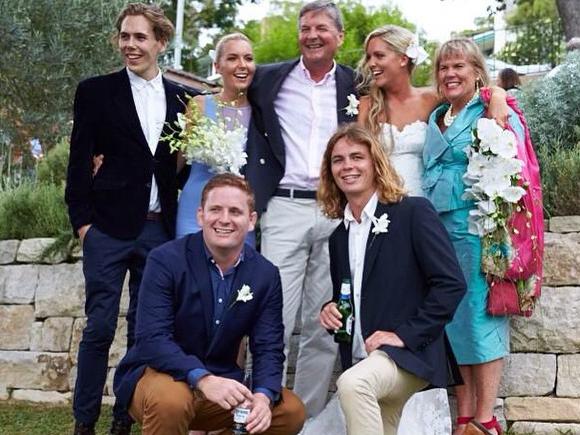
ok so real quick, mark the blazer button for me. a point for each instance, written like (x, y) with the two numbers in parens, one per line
(262, 162)
(148, 185)
(265, 134)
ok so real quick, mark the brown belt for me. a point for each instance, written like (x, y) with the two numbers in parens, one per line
(153, 216)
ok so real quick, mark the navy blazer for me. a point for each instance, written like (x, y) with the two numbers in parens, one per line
(116, 200)
(412, 284)
(176, 310)
(265, 148)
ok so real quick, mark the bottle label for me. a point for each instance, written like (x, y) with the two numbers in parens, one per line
(241, 415)
(348, 324)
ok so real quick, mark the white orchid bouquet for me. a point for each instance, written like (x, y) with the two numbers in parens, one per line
(494, 183)
(212, 142)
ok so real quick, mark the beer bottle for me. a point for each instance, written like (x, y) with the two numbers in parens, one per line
(344, 333)
(242, 411)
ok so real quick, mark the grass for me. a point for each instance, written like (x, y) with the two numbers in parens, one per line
(22, 418)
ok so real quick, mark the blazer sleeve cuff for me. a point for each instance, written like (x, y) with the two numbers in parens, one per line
(193, 376)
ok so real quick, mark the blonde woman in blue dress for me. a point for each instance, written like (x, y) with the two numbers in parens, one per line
(234, 61)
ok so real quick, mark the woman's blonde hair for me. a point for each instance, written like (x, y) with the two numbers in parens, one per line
(462, 47)
(388, 183)
(398, 39)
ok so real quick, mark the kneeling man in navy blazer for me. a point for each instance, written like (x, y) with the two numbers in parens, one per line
(200, 295)
(406, 284)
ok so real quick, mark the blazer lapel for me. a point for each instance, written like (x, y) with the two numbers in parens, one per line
(343, 252)
(197, 262)
(270, 117)
(123, 99)
(172, 103)
(374, 243)
(344, 87)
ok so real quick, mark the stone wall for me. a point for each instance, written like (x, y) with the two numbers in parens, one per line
(41, 321)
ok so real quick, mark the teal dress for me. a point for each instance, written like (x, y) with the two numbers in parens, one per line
(475, 336)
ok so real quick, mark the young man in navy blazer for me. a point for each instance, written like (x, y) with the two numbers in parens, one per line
(127, 205)
(200, 296)
(406, 284)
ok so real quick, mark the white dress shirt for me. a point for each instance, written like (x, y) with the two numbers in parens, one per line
(149, 97)
(307, 113)
(358, 234)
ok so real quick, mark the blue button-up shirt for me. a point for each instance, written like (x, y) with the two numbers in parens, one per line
(221, 283)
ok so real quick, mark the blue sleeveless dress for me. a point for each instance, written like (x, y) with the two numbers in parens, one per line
(475, 336)
(200, 174)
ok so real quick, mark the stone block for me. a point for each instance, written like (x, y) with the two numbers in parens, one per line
(108, 400)
(18, 284)
(562, 259)
(8, 250)
(35, 370)
(30, 251)
(109, 384)
(38, 396)
(535, 428)
(36, 336)
(119, 346)
(568, 384)
(555, 325)
(77, 333)
(61, 291)
(15, 323)
(528, 374)
(565, 224)
(72, 378)
(117, 350)
(498, 410)
(542, 409)
(56, 334)
(4, 393)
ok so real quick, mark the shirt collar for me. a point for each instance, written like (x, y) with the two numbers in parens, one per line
(307, 73)
(139, 82)
(366, 214)
(209, 256)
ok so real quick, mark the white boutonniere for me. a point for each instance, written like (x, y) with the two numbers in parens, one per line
(380, 225)
(245, 294)
(352, 108)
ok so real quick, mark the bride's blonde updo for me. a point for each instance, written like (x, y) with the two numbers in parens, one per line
(399, 40)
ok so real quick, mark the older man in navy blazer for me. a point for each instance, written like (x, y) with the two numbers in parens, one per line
(200, 296)
(127, 206)
(297, 106)
(405, 279)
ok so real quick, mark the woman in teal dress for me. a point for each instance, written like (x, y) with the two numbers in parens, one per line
(235, 62)
(479, 341)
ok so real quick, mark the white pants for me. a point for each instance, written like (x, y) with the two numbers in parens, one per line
(373, 393)
(295, 238)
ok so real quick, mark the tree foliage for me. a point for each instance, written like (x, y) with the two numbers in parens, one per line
(538, 33)
(47, 46)
(275, 38)
(215, 16)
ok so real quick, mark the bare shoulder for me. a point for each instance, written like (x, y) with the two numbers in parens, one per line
(429, 97)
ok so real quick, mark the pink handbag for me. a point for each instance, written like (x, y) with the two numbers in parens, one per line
(517, 291)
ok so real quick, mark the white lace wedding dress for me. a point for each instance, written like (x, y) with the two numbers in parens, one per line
(427, 412)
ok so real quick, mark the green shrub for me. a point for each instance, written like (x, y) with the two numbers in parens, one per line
(560, 167)
(551, 105)
(52, 168)
(29, 211)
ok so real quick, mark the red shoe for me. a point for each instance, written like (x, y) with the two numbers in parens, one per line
(484, 426)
